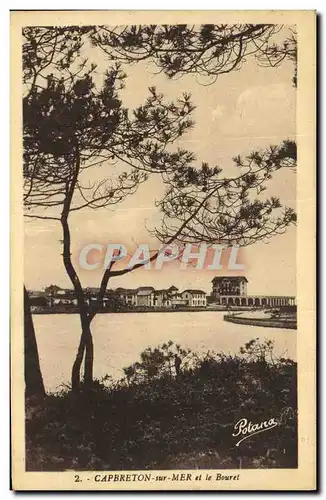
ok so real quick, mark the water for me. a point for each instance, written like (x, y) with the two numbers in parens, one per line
(119, 339)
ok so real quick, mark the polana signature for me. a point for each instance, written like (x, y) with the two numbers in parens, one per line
(245, 429)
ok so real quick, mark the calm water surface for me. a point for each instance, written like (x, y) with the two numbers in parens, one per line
(119, 339)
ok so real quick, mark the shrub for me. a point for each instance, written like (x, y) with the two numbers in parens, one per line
(159, 416)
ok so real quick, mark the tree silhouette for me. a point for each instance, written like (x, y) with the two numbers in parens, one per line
(206, 50)
(73, 127)
(228, 210)
(275, 53)
(44, 50)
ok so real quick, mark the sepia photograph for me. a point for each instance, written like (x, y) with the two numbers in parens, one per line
(159, 249)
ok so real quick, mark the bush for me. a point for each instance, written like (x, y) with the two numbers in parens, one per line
(170, 414)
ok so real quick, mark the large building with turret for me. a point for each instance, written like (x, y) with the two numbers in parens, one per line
(232, 291)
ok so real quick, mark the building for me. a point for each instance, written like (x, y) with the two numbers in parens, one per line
(120, 298)
(38, 299)
(145, 296)
(63, 297)
(229, 285)
(162, 298)
(194, 298)
(232, 291)
(127, 296)
(58, 296)
(165, 297)
(52, 290)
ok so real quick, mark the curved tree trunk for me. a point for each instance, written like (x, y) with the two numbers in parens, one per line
(86, 341)
(34, 385)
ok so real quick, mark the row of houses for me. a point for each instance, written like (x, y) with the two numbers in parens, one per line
(227, 292)
(143, 296)
(148, 296)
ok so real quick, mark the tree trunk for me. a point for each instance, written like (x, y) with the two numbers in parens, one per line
(34, 385)
(75, 373)
(89, 360)
(85, 346)
(86, 341)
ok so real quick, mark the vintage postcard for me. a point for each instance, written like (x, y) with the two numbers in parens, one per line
(163, 250)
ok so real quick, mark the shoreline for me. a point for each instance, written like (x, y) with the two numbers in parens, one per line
(268, 322)
(74, 310)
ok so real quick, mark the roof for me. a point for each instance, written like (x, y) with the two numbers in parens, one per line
(35, 293)
(65, 291)
(52, 288)
(195, 291)
(92, 289)
(148, 288)
(145, 290)
(125, 291)
(63, 297)
(231, 278)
